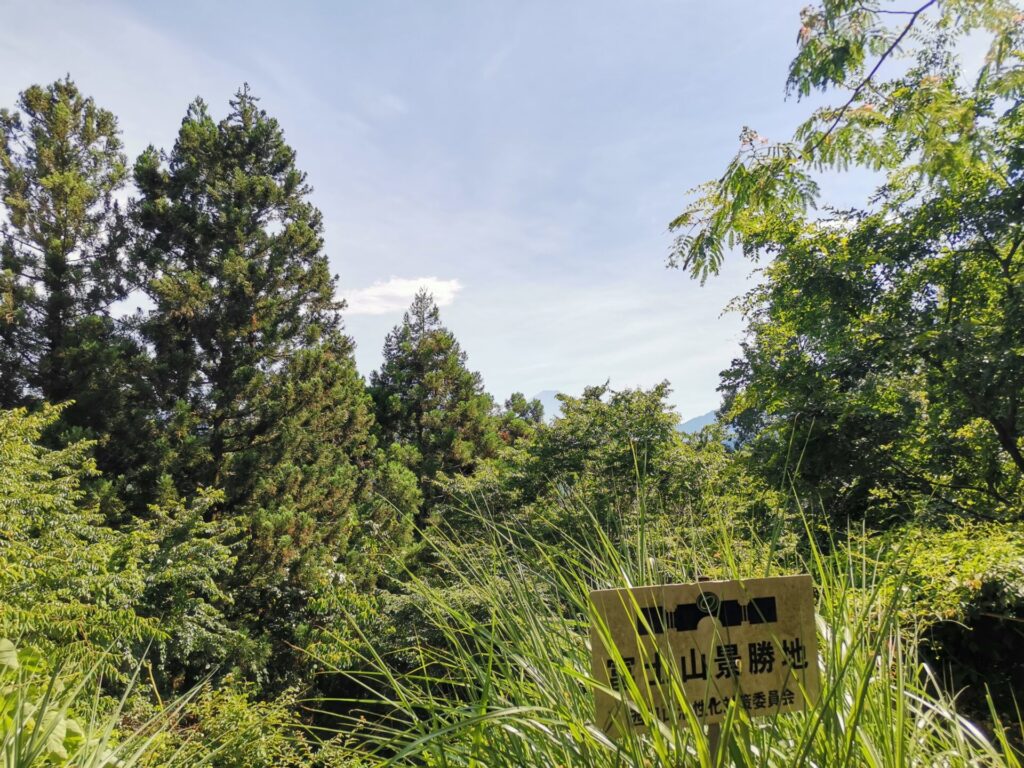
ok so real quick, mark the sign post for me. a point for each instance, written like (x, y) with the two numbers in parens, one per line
(751, 643)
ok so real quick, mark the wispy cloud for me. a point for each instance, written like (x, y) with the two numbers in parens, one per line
(396, 294)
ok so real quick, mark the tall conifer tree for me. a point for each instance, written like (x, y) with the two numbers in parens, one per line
(427, 399)
(258, 385)
(60, 166)
(62, 267)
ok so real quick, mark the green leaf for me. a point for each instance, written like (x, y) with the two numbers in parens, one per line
(8, 655)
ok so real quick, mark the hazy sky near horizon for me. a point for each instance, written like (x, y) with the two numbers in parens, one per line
(522, 159)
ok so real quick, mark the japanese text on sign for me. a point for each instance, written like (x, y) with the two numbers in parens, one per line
(750, 642)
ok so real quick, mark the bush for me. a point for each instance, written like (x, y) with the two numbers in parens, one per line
(227, 727)
(69, 583)
(965, 597)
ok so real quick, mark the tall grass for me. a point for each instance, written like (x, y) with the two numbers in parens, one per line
(56, 714)
(506, 681)
(59, 717)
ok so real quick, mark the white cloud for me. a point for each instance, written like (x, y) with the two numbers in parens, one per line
(396, 294)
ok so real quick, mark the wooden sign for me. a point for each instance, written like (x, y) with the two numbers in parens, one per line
(750, 642)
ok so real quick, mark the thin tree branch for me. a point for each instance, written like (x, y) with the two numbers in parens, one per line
(874, 70)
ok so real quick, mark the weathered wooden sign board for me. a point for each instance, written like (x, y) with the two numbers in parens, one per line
(751, 642)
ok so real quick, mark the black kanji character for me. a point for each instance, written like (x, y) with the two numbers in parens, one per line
(698, 669)
(796, 653)
(613, 671)
(761, 657)
(727, 660)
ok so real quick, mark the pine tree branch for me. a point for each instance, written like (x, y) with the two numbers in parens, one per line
(26, 243)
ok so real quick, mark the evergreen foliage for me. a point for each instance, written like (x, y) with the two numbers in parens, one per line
(252, 369)
(520, 418)
(62, 267)
(61, 165)
(428, 402)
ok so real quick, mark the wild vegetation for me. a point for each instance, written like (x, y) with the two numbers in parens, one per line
(220, 546)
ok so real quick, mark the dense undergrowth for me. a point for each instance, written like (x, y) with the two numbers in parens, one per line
(506, 679)
(485, 661)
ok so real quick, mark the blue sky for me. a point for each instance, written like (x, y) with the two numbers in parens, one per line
(521, 158)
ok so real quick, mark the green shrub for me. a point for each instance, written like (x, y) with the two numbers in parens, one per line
(228, 727)
(69, 584)
(965, 597)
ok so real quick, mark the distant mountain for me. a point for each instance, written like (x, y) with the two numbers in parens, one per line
(697, 423)
(552, 406)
